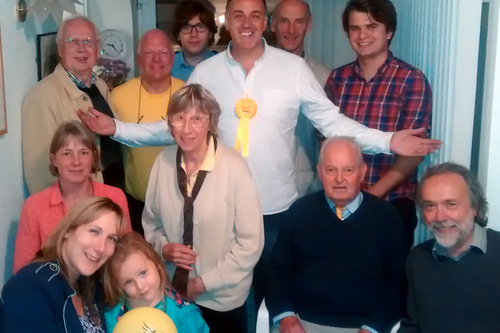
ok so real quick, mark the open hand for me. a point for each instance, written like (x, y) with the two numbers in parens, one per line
(97, 122)
(411, 142)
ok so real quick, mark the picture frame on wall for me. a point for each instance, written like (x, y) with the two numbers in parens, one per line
(3, 109)
(46, 54)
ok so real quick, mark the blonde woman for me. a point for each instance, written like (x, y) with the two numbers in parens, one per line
(60, 291)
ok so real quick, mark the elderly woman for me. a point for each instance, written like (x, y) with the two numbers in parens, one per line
(202, 214)
(73, 158)
(59, 291)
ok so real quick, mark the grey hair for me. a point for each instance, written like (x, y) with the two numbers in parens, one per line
(60, 30)
(478, 200)
(141, 40)
(194, 96)
(349, 139)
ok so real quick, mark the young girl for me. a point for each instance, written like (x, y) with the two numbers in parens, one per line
(135, 277)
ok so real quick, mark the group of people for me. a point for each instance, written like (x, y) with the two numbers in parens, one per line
(280, 180)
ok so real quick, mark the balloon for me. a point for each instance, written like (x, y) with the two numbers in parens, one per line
(145, 320)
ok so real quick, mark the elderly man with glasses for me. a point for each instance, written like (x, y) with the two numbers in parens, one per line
(72, 86)
(194, 29)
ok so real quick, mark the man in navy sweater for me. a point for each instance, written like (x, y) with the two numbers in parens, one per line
(453, 279)
(338, 264)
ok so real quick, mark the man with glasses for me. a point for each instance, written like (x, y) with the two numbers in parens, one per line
(52, 101)
(145, 99)
(194, 28)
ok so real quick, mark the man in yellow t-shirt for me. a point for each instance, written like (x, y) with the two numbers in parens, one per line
(141, 100)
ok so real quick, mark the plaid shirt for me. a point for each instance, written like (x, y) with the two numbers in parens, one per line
(397, 97)
(79, 83)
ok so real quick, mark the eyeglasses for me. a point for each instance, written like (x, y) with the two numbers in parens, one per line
(75, 42)
(200, 27)
(195, 121)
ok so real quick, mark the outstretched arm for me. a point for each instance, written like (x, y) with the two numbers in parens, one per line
(133, 135)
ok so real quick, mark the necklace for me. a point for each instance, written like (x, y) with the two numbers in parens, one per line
(139, 115)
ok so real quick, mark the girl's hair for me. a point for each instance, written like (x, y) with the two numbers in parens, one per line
(85, 212)
(130, 244)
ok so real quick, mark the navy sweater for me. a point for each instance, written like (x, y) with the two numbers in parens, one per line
(340, 273)
(447, 296)
(38, 299)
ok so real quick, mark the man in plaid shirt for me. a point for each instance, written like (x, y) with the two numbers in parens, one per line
(382, 92)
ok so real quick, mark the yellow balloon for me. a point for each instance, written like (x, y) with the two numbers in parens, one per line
(145, 320)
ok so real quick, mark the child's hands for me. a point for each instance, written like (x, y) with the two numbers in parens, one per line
(180, 255)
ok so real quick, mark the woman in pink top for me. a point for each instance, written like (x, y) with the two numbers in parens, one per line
(73, 157)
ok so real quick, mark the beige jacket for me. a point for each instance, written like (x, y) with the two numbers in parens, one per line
(228, 231)
(47, 105)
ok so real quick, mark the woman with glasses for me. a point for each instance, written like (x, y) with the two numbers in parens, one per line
(202, 214)
(194, 29)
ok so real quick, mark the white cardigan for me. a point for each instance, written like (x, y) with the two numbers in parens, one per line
(228, 233)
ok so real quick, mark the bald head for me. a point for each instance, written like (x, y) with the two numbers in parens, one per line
(291, 22)
(154, 36)
(155, 56)
(287, 4)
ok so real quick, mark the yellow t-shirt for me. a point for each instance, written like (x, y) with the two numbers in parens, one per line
(153, 107)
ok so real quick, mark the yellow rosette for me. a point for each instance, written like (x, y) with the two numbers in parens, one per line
(245, 109)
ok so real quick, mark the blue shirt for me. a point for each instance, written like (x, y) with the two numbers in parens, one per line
(181, 70)
(281, 84)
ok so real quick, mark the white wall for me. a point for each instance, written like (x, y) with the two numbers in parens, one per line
(489, 159)
(327, 43)
(20, 73)
(115, 14)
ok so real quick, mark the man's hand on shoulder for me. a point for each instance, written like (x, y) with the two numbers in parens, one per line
(291, 325)
(97, 122)
(412, 142)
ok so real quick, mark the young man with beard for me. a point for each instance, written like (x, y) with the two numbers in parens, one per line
(453, 279)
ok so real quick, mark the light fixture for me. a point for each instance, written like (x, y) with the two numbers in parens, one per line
(21, 10)
(43, 8)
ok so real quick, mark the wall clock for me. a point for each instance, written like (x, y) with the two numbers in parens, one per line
(114, 44)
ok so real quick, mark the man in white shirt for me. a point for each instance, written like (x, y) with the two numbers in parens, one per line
(253, 79)
(292, 21)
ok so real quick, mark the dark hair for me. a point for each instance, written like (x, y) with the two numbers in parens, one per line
(382, 11)
(478, 200)
(188, 9)
(263, 2)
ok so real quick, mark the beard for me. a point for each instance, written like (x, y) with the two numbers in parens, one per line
(459, 236)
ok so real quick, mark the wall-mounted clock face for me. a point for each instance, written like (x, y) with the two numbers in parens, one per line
(114, 44)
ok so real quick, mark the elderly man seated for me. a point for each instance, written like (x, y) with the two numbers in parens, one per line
(453, 279)
(339, 261)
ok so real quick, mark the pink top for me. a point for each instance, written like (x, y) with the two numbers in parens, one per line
(42, 212)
